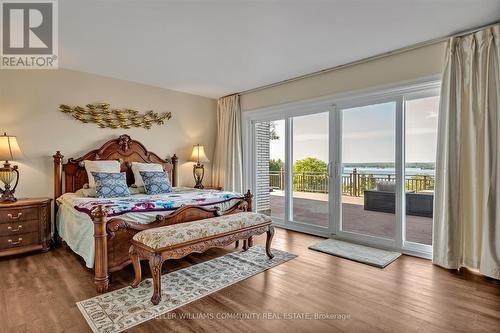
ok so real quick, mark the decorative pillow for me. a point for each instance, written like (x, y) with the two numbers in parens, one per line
(109, 166)
(138, 167)
(156, 182)
(111, 185)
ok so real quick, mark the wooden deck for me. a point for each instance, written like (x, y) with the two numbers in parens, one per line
(312, 208)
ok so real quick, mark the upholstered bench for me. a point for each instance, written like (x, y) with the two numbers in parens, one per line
(178, 240)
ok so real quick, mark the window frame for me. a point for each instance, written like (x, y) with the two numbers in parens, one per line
(399, 92)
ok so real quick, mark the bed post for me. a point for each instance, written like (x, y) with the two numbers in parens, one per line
(101, 279)
(174, 160)
(58, 158)
(248, 199)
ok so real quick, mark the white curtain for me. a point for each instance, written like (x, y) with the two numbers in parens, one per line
(467, 199)
(227, 168)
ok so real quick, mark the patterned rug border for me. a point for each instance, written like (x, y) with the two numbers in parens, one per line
(95, 329)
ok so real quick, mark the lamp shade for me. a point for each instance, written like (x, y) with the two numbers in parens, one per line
(9, 148)
(198, 154)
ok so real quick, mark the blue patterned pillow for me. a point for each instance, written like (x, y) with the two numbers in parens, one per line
(156, 182)
(110, 185)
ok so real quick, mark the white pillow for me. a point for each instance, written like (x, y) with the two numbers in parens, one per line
(91, 193)
(136, 190)
(86, 192)
(100, 166)
(138, 167)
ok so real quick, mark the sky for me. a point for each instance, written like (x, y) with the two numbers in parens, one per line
(368, 133)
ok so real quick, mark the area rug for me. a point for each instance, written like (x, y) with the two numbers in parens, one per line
(360, 253)
(127, 307)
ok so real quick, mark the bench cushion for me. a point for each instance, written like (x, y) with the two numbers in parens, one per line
(170, 235)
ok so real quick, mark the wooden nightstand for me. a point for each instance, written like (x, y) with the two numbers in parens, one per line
(25, 225)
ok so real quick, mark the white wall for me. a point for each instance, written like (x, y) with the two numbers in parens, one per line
(407, 66)
(29, 101)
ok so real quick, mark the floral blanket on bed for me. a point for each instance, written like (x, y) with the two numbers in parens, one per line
(157, 203)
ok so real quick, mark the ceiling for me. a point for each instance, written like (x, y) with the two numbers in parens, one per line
(213, 47)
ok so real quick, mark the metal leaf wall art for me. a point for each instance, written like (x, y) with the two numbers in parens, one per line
(104, 117)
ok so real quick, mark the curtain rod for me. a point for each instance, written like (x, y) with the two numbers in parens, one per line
(363, 60)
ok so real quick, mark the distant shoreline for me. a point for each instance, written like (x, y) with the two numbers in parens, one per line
(385, 165)
(388, 171)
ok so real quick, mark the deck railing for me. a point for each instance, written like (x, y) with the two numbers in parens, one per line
(353, 184)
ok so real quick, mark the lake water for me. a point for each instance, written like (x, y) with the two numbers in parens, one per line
(389, 171)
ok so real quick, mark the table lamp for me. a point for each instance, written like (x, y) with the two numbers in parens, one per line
(198, 156)
(9, 151)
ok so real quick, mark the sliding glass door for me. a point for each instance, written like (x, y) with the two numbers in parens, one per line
(387, 153)
(420, 166)
(368, 180)
(309, 149)
(360, 168)
(291, 162)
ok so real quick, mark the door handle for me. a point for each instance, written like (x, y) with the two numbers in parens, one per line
(337, 169)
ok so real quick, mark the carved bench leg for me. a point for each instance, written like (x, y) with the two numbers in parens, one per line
(245, 245)
(269, 239)
(155, 263)
(250, 241)
(137, 266)
(237, 243)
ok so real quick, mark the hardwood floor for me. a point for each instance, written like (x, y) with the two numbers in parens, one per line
(38, 294)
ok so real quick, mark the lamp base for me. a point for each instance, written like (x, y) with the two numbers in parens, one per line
(7, 175)
(198, 173)
(7, 196)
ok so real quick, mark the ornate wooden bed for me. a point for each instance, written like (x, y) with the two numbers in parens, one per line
(112, 237)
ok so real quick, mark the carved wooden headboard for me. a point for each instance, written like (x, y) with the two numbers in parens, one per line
(123, 149)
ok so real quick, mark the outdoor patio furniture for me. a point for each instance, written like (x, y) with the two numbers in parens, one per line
(380, 201)
(417, 203)
(420, 203)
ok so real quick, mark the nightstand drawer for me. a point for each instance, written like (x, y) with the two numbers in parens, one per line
(9, 242)
(18, 214)
(16, 228)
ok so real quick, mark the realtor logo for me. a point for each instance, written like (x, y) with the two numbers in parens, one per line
(29, 34)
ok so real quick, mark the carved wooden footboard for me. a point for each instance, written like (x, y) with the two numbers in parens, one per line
(113, 237)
